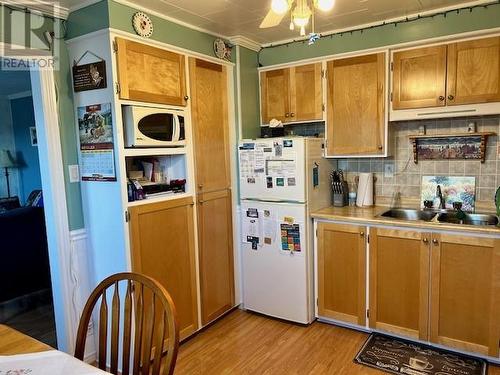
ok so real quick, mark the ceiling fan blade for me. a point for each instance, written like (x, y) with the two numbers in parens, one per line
(271, 19)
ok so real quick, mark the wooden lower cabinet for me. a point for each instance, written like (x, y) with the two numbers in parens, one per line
(215, 243)
(465, 293)
(162, 246)
(399, 282)
(342, 272)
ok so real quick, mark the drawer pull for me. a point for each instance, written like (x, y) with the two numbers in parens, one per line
(425, 240)
(435, 242)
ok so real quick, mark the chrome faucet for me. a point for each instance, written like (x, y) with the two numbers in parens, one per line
(439, 194)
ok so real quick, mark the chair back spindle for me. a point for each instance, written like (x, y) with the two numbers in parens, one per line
(150, 333)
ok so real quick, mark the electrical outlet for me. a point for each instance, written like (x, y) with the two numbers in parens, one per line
(74, 173)
(389, 170)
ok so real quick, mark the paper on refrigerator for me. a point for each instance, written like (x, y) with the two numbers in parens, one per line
(251, 228)
(270, 226)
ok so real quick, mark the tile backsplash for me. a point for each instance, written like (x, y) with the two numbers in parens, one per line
(407, 176)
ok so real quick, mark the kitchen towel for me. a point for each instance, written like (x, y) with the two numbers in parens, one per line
(365, 190)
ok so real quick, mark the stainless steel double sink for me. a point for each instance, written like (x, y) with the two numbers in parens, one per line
(441, 216)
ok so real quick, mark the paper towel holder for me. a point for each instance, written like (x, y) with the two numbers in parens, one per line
(356, 180)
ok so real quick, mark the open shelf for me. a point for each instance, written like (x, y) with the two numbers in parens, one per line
(156, 173)
(159, 198)
(154, 151)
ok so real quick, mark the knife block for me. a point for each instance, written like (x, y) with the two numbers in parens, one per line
(341, 199)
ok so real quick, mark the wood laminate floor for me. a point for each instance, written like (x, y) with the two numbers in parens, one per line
(247, 343)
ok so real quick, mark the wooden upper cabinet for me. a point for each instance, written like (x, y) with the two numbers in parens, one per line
(210, 124)
(474, 71)
(356, 105)
(419, 78)
(274, 95)
(150, 74)
(399, 282)
(292, 94)
(342, 272)
(162, 247)
(306, 94)
(465, 293)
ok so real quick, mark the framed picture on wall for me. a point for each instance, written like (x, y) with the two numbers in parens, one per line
(33, 137)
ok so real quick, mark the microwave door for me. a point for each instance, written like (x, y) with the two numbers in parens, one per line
(177, 129)
(158, 127)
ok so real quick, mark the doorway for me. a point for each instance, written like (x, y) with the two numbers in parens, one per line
(26, 302)
(45, 135)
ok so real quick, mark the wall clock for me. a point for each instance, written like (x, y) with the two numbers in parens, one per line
(143, 25)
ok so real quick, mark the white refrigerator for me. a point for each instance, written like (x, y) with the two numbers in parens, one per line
(281, 181)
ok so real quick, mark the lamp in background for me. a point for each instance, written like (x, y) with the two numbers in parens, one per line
(7, 161)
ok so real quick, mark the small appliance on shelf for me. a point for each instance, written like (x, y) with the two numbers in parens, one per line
(154, 127)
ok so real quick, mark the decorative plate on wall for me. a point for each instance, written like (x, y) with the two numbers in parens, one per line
(143, 25)
(222, 50)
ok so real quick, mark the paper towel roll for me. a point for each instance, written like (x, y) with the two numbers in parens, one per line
(365, 190)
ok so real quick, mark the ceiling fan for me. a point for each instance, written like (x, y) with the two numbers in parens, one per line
(300, 12)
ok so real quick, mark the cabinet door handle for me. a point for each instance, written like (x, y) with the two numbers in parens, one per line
(425, 240)
(186, 97)
(441, 98)
(451, 97)
(362, 234)
(380, 147)
(287, 114)
(292, 114)
(434, 241)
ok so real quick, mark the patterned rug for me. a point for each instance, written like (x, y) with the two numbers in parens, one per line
(399, 356)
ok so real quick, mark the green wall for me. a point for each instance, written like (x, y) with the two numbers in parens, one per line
(478, 19)
(249, 81)
(65, 99)
(86, 20)
(108, 13)
(164, 30)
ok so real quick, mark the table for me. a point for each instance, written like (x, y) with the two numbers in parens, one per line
(15, 342)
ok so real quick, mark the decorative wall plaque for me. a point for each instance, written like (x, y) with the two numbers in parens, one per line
(89, 76)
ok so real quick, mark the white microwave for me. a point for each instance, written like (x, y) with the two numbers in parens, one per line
(154, 127)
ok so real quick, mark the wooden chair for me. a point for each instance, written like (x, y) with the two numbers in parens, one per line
(149, 310)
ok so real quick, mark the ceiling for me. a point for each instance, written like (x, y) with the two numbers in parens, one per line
(242, 17)
(14, 82)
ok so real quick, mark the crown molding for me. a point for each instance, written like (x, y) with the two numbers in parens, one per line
(243, 41)
(40, 7)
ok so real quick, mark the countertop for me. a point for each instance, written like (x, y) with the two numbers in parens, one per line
(369, 216)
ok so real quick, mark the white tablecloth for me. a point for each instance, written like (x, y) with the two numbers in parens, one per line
(52, 362)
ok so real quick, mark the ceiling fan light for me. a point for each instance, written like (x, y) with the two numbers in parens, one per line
(325, 5)
(301, 21)
(279, 6)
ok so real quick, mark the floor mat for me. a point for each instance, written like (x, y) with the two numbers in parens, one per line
(399, 356)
